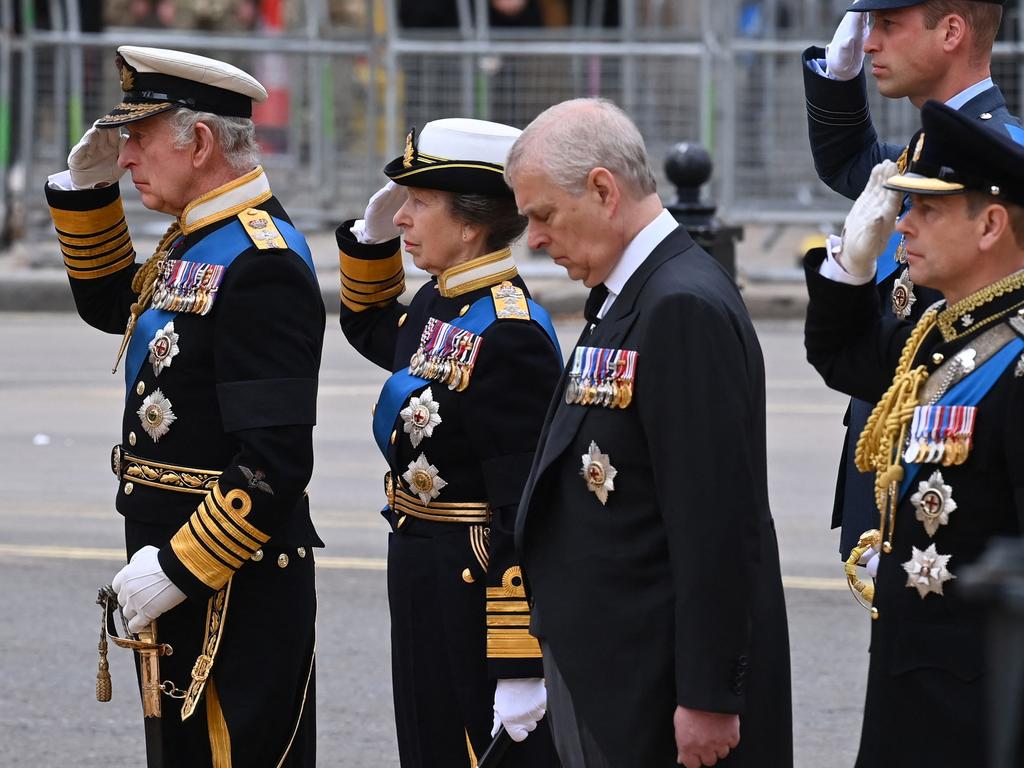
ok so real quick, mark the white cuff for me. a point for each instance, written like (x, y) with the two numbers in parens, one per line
(819, 67)
(832, 270)
(61, 181)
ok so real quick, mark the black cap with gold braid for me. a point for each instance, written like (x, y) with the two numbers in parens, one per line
(955, 153)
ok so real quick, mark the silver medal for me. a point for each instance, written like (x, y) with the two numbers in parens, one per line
(156, 415)
(162, 348)
(933, 502)
(598, 472)
(420, 416)
(927, 571)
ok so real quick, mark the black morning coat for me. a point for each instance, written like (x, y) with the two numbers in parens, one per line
(845, 147)
(926, 702)
(669, 594)
(242, 387)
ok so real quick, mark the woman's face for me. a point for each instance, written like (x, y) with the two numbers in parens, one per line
(431, 235)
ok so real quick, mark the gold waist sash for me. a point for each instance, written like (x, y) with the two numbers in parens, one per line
(167, 477)
(455, 512)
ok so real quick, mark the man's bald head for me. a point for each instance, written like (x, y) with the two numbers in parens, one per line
(570, 139)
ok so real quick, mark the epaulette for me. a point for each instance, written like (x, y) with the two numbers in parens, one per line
(510, 302)
(260, 227)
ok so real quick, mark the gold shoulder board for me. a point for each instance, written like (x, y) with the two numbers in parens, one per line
(510, 302)
(260, 227)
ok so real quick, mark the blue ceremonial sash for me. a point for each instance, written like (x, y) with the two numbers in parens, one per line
(401, 384)
(221, 247)
(970, 390)
(886, 264)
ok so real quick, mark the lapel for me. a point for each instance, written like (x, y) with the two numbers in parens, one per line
(564, 420)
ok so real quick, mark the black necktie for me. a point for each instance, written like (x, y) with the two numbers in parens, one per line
(595, 301)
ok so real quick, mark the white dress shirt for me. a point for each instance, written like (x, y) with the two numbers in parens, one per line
(639, 248)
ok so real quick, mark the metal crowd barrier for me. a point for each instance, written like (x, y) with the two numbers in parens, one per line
(344, 98)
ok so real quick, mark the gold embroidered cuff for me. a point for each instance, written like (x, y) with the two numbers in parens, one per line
(217, 540)
(94, 243)
(369, 283)
(508, 619)
(166, 477)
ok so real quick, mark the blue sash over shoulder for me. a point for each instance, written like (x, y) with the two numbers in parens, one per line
(402, 384)
(219, 248)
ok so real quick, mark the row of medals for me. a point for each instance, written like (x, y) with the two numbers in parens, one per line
(609, 393)
(194, 298)
(454, 373)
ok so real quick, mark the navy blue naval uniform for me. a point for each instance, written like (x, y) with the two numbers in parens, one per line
(845, 147)
(215, 454)
(459, 615)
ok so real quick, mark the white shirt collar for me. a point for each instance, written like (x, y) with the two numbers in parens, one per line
(958, 101)
(639, 248)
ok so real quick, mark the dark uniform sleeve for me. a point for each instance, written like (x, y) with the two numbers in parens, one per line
(506, 402)
(849, 341)
(268, 337)
(698, 410)
(98, 253)
(372, 279)
(844, 143)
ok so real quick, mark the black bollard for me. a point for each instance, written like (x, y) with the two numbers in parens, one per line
(688, 167)
(997, 581)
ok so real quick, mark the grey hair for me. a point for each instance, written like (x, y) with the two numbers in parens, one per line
(236, 135)
(572, 138)
(498, 216)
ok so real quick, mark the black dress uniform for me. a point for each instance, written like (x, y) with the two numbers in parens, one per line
(845, 147)
(645, 530)
(963, 466)
(215, 450)
(458, 458)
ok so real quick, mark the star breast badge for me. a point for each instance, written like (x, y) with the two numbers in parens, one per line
(598, 473)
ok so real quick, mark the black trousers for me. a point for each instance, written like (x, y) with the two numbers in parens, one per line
(574, 742)
(444, 697)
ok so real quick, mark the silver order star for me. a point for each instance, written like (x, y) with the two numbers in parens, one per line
(423, 479)
(163, 347)
(903, 297)
(598, 472)
(933, 502)
(927, 572)
(156, 415)
(420, 416)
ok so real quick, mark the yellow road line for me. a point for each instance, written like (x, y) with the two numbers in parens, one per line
(330, 563)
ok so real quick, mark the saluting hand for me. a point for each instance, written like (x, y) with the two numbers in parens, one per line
(870, 222)
(93, 160)
(845, 54)
(377, 224)
(704, 738)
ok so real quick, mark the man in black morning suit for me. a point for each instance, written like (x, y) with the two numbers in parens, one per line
(644, 529)
(920, 50)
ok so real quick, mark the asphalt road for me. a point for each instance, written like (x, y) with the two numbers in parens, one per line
(60, 539)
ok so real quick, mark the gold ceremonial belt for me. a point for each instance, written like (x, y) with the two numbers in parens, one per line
(456, 512)
(168, 477)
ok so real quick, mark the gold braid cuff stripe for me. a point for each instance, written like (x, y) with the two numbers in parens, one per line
(511, 644)
(370, 270)
(87, 223)
(358, 300)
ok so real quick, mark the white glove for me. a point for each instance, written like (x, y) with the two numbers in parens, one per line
(844, 56)
(870, 223)
(519, 705)
(378, 223)
(93, 160)
(143, 590)
(870, 561)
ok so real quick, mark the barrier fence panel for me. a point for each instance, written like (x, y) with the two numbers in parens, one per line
(346, 82)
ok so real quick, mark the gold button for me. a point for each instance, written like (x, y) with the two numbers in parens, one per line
(257, 555)
(401, 320)
(394, 436)
(937, 358)
(467, 576)
(402, 519)
(140, 388)
(131, 438)
(128, 488)
(282, 560)
(301, 551)
(464, 310)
